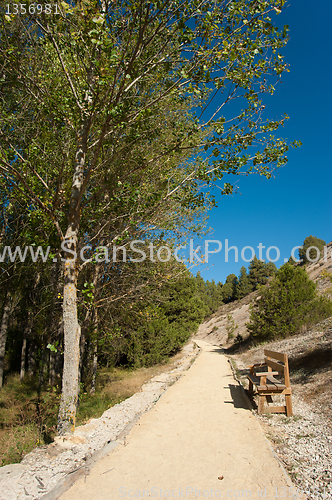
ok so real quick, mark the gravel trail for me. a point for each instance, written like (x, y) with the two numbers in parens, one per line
(200, 440)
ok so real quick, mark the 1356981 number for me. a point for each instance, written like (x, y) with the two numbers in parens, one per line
(33, 8)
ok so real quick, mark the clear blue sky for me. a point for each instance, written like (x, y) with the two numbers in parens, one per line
(297, 203)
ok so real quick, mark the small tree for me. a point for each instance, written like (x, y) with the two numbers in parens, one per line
(260, 271)
(244, 286)
(313, 253)
(289, 302)
(229, 288)
(230, 327)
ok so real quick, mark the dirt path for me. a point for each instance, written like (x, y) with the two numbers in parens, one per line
(199, 440)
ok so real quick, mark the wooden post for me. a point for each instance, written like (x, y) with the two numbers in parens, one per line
(288, 397)
(261, 402)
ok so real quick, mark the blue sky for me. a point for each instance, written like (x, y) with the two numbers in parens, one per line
(297, 203)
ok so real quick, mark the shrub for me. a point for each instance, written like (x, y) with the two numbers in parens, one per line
(230, 326)
(289, 302)
(309, 242)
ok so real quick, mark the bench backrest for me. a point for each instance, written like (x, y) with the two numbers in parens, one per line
(279, 362)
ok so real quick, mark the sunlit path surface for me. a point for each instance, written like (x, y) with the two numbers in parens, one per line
(199, 441)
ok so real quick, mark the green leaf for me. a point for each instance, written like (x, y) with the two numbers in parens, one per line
(52, 348)
(98, 20)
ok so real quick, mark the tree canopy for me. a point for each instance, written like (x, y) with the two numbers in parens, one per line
(116, 117)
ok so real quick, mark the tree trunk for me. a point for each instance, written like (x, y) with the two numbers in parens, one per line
(31, 357)
(71, 328)
(54, 332)
(84, 330)
(3, 335)
(26, 335)
(58, 356)
(82, 351)
(51, 369)
(23, 356)
(87, 319)
(42, 368)
(94, 367)
(72, 332)
(95, 352)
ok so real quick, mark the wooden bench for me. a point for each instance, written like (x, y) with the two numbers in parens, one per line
(262, 376)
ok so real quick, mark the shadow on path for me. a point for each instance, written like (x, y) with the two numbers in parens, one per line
(238, 398)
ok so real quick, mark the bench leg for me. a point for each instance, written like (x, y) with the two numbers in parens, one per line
(261, 401)
(251, 386)
(289, 407)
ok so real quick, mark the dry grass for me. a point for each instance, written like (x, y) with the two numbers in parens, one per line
(117, 384)
(28, 416)
(17, 442)
(124, 383)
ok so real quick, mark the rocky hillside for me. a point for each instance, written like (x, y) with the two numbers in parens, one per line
(233, 317)
(214, 328)
(316, 269)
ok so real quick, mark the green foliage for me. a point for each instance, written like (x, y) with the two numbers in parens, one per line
(163, 329)
(311, 241)
(260, 271)
(327, 275)
(210, 293)
(244, 286)
(229, 288)
(52, 347)
(287, 303)
(131, 91)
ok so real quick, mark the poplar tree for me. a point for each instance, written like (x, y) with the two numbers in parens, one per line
(84, 87)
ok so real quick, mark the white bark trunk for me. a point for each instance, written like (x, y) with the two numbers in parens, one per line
(72, 330)
(23, 355)
(26, 334)
(3, 335)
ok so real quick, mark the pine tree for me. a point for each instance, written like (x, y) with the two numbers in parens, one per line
(229, 288)
(244, 286)
(260, 271)
(209, 293)
(289, 302)
(311, 241)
